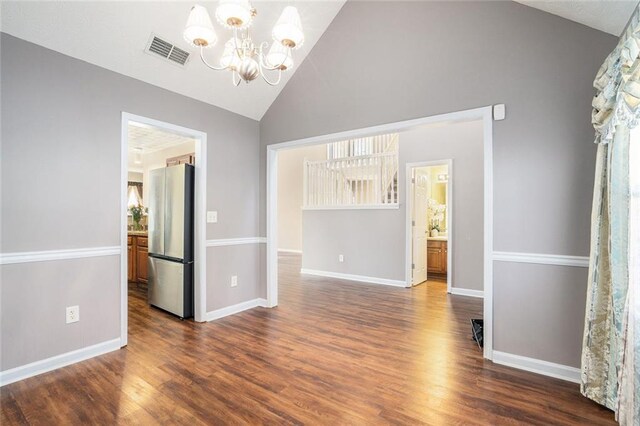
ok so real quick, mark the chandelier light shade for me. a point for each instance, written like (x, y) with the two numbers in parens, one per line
(245, 59)
(279, 56)
(234, 14)
(288, 29)
(230, 59)
(199, 30)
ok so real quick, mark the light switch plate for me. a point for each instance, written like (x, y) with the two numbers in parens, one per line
(499, 112)
(212, 217)
(234, 280)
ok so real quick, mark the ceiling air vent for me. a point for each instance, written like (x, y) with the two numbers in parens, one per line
(168, 51)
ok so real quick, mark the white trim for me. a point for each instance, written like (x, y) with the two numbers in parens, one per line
(236, 241)
(272, 227)
(200, 278)
(200, 222)
(234, 309)
(546, 368)
(408, 218)
(541, 259)
(466, 115)
(352, 277)
(487, 127)
(390, 206)
(48, 255)
(467, 292)
(294, 251)
(483, 113)
(124, 258)
(33, 369)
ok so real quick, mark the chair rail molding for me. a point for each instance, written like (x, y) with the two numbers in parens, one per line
(63, 254)
(541, 259)
(236, 241)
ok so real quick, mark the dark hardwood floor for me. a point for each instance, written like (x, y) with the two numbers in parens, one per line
(333, 352)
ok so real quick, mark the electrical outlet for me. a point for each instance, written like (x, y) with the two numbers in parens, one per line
(73, 314)
(234, 280)
(212, 217)
(340, 258)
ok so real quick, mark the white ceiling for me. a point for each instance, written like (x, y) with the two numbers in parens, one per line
(143, 139)
(609, 16)
(113, 35)
(149, 139)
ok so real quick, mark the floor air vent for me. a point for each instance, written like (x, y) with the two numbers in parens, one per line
(168, 51)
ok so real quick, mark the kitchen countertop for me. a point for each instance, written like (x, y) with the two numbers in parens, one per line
(440, 238)
(137, 233)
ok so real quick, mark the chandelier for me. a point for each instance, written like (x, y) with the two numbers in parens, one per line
(245, 59)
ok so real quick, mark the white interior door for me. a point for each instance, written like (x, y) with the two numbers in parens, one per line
(419, 228)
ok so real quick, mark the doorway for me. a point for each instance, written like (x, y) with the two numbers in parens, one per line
(484, 114)
(430, 222)
(148, 144)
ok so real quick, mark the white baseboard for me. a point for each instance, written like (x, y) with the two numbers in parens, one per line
(58, 361)
(546, 368)
(467, 292)
(290, 251)
(351, 277)
(234, 309)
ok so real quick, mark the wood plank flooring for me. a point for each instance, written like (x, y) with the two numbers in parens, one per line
(333, 352)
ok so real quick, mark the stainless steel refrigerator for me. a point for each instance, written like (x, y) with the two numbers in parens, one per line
(170, 220)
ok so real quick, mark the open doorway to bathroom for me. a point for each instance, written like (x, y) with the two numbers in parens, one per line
(430, 210)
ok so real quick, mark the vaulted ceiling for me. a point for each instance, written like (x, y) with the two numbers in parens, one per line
(609, 16)
(114, 34)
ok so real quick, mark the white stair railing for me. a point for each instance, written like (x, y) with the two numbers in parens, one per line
(390, 175)
(363, 146)
(365, 180)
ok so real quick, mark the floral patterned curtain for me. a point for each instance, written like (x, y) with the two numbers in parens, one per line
(611, 349)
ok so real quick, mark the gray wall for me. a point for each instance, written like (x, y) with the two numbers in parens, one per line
(34, 297)
(60, 187)
(437, 57)
(373, 241)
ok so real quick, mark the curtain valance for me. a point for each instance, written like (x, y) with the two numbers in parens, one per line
(617, 84)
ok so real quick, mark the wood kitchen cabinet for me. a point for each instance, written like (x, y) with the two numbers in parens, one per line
(142, 254)
(130, 262)
(138, 253)
(182, 159)
(437, 258)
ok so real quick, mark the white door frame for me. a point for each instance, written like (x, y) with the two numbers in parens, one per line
(200, 257)
(409, 231)
(483, 113)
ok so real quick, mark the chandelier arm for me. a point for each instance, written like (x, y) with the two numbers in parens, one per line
(207, 63)
(233, 78)
(264, 77)
(263, 63)
(239, 52)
